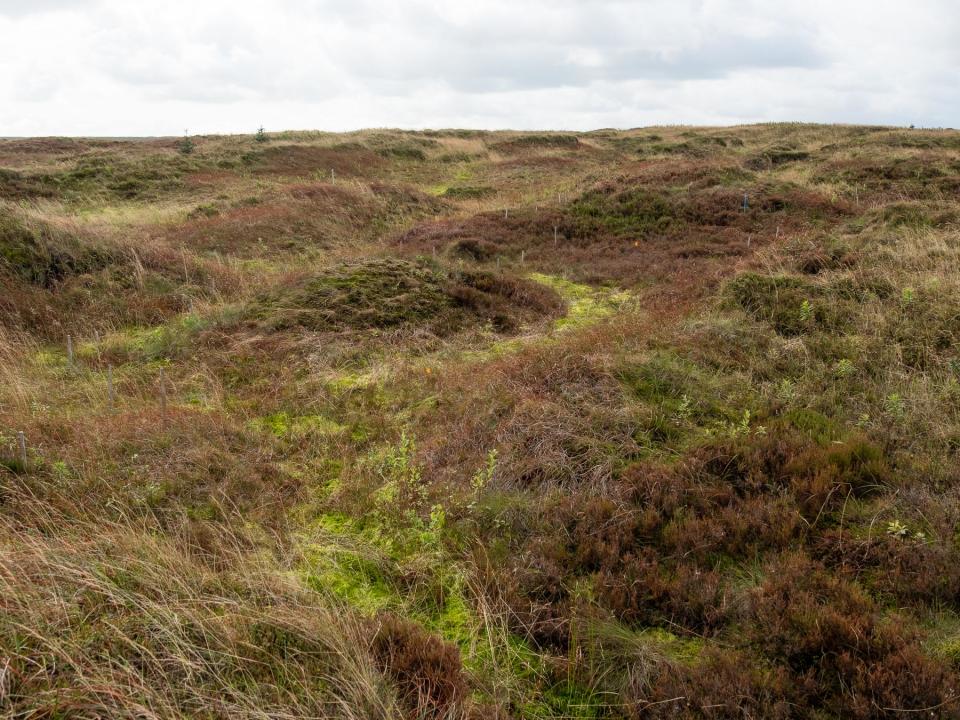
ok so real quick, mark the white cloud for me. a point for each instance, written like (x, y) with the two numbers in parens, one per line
(154, 67)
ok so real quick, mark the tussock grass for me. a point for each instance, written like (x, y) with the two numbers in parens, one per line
(459, 424)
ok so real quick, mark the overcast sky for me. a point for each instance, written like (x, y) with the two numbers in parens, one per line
(146, 67)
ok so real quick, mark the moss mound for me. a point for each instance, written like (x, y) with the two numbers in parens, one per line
(536, 142)
(775, 156)
(622, 212)
(42, 254)
(469, 192)
(388, 293)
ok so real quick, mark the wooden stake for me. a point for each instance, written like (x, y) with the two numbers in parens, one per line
(110, 393)
(22, 446)
(522, 253)
(163, 395)
(555, 230)
(70, 350)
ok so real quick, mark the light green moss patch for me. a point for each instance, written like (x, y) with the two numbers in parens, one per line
(585, 304)
(283, 425)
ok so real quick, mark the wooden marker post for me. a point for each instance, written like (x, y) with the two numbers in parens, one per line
(22, 447)
(110, 394)
(163, 395)
(70, 350)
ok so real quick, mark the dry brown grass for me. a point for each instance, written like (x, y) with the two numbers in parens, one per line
(710, 497)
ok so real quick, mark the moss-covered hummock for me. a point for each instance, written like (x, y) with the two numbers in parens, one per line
(389, 293)
(42, 254)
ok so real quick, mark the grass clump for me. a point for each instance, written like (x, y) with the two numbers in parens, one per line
(788, 303)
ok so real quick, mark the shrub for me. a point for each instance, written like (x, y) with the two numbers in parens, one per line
(186, 146)
(848, 659)
(427, 670)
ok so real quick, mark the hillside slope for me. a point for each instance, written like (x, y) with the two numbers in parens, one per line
(454, 424)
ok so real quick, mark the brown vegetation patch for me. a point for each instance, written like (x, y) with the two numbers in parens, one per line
(630, 233)
(920, 177)
(347, 160)
(385, 293)
(427, 670)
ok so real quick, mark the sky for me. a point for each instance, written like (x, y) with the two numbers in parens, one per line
(152, 67)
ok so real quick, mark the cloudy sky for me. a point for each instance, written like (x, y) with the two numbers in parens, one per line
(152, 67)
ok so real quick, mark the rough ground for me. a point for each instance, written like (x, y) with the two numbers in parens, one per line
(454, 424)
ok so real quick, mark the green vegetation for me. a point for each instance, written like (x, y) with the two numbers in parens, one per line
(42, 254)
(387, 293)
(461, 424)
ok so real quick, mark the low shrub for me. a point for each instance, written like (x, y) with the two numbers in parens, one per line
(428, 671)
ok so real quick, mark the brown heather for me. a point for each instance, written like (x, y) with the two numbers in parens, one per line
(456, 424)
